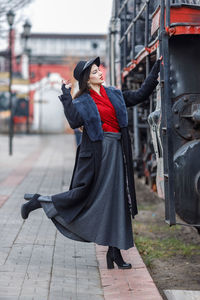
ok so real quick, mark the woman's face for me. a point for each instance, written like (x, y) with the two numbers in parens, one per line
(96, 76)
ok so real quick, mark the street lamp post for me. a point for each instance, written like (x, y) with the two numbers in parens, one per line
(26, 35)
(10, 19)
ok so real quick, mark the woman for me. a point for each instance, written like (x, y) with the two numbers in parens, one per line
(101, 199)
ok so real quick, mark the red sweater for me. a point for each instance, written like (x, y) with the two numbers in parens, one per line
(106, 110)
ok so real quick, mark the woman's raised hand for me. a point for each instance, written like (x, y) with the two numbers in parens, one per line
(66, 86)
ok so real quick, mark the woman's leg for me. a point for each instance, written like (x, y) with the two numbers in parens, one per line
(114, 255)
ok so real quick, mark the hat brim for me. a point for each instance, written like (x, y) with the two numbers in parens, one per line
(93, 61)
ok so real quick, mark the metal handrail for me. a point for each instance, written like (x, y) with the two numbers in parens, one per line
(131, 24)
(122, 7)
(133, 21)
(127, 27)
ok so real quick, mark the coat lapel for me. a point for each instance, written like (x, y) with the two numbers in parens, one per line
(89, 112)
(116, 98)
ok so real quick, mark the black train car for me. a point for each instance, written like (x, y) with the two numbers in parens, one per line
(166, 128)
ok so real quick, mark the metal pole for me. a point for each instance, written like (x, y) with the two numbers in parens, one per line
(28, 98)
(148, 63)
(163, 120)
(167, 121)
(146, 45)
(40, 98)
(135, 132)
(147, 37)
(10, 93)
(26, 52)
(121, 44)
(134, 30)
(110, 55)
(125, 40)
(26, 35)
(147, 25)
(114, 52)
(112, 35)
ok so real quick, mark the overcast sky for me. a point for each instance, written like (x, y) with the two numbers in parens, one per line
(69, 16)
(63, 16)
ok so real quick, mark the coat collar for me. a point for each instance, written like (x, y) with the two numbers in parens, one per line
(89, 112)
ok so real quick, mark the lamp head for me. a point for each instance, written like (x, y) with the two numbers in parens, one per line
(10, 17)
(27, 29)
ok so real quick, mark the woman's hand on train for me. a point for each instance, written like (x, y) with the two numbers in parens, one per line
(161, 60)
(156, 68)
(66, 86)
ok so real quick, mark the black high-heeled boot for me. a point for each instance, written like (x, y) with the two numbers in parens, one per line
(114, 255)
(32, 204)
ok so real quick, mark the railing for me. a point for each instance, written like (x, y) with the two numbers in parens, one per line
(135, 24)
(129, 39)
(122, 14)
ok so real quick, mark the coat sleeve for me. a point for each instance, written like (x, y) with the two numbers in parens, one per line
(70, 111)
(135, 97)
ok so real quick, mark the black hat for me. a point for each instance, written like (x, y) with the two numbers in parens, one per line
(83, 65)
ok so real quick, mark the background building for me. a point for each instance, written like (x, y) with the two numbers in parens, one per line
(39, 69)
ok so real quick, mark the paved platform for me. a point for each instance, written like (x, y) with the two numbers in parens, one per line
(37, 262)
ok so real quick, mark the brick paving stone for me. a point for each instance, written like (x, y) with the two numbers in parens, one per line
(3, 199)
(21, 150)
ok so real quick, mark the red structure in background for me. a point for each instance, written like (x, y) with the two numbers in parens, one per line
(183, 20)
(39, 71)
(47, 54)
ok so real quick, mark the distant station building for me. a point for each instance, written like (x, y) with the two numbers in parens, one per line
(62, 45)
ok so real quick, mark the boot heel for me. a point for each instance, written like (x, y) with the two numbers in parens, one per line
(28, 196)
(30, 206)
(110, 264)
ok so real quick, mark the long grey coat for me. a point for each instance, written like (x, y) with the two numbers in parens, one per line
(83, 112)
